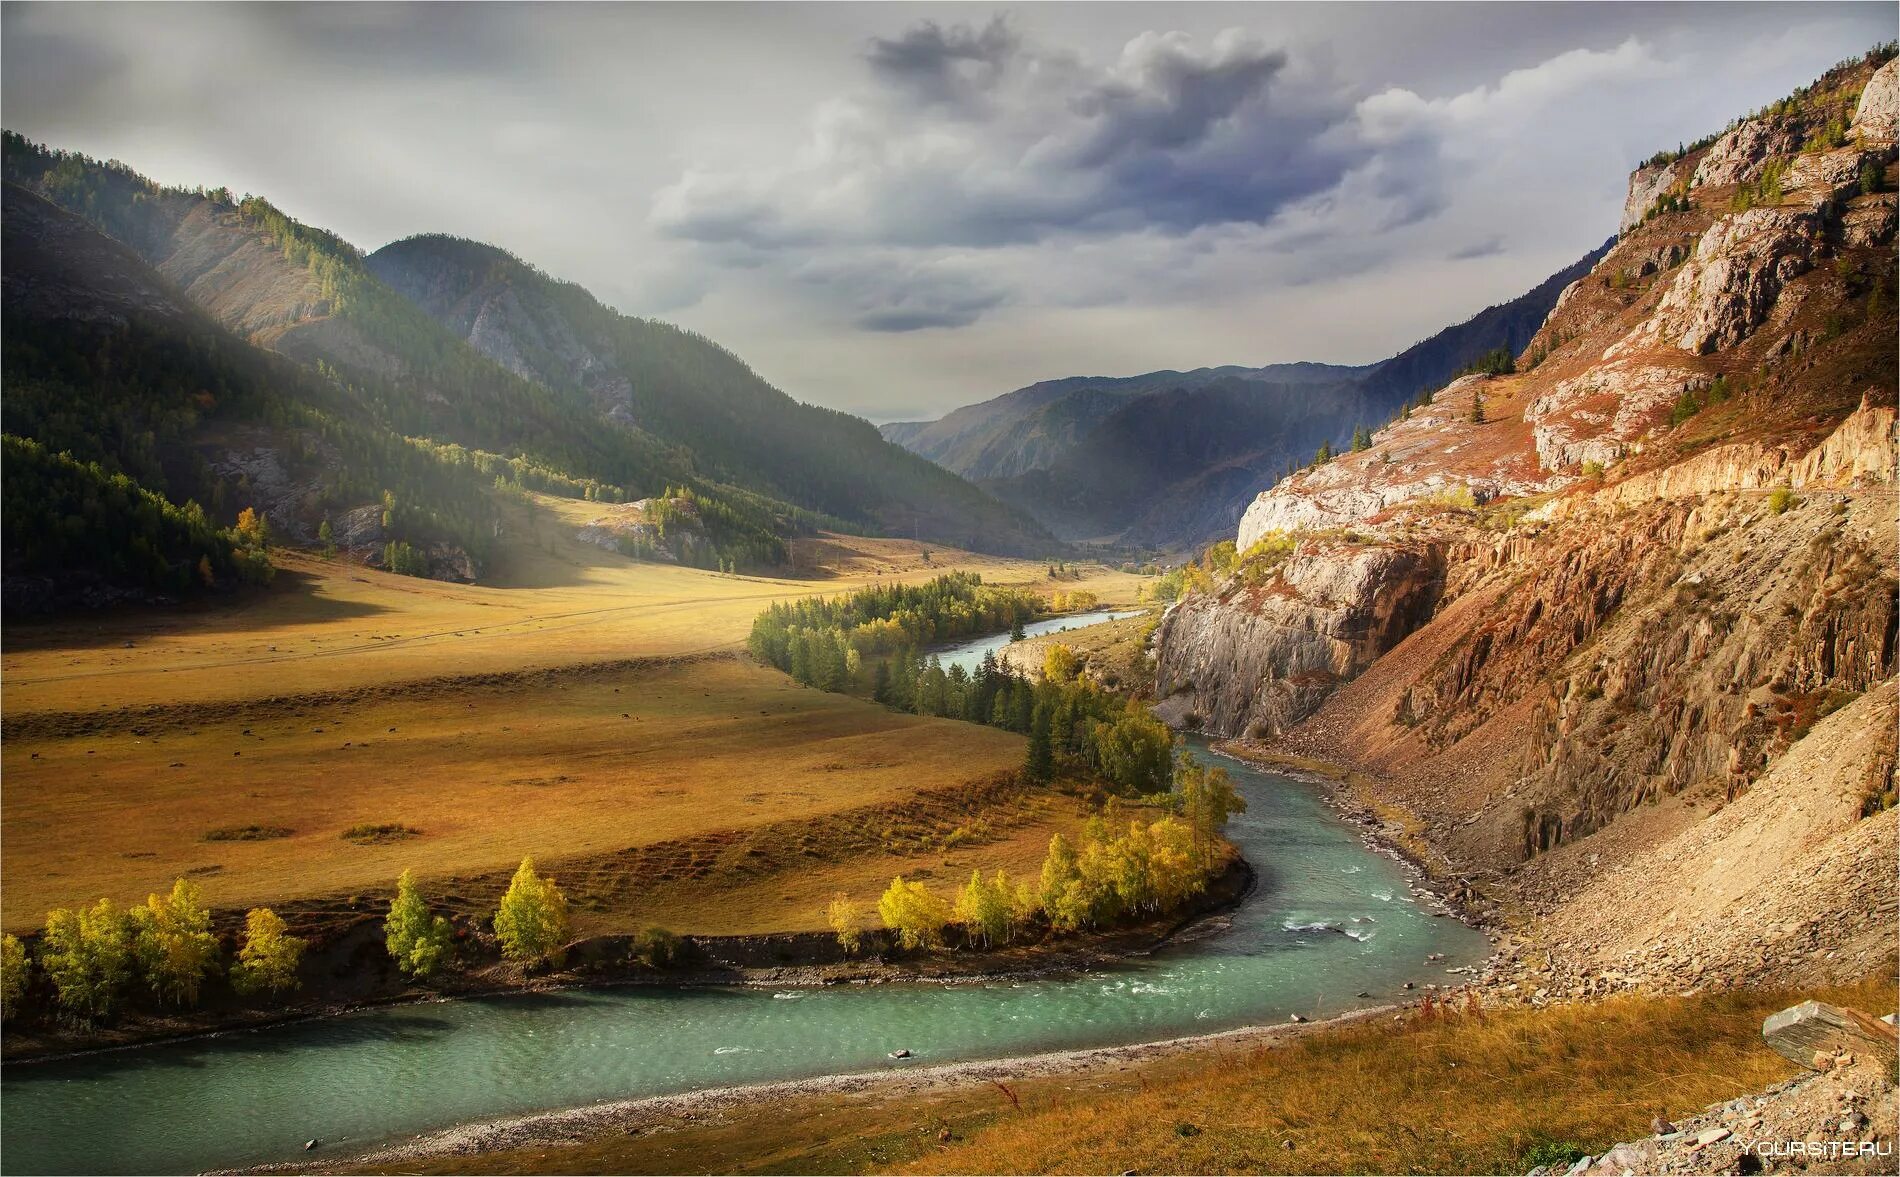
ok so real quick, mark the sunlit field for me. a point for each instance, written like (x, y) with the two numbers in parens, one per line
(585, 705)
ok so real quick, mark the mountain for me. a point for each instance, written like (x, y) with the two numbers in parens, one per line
(1027, 429)
(772, 466)
(1169, 459)
(1613, 635)
(138, 427)
(690, 392)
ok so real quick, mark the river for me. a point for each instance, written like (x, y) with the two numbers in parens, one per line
(1331, 918)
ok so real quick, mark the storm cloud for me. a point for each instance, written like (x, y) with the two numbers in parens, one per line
(895, 209)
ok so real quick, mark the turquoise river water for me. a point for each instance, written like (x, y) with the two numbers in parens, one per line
(1329, 919)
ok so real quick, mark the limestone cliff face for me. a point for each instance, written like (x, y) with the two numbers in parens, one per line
(1261, 656)
(1551, 609)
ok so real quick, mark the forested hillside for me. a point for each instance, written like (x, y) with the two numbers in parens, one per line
(698, 396)
(377, 365)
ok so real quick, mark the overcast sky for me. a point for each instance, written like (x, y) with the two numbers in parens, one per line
(896, 209)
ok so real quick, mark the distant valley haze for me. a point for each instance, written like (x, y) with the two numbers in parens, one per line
(895, 210)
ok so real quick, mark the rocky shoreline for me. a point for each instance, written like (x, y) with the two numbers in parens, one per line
(637, 1115)
(778, 960)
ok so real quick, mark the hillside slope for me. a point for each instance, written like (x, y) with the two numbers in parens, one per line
(1172, 458)
(1563, 616)
(308, 295)
(687, 390)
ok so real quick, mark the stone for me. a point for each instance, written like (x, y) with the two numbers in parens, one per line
(1708, 1136)
(1802, 1032)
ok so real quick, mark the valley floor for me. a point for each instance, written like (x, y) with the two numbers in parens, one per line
(302, 746)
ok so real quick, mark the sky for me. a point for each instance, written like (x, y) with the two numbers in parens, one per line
(896, 209)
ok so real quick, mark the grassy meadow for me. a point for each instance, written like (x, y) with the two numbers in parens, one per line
(581, 707)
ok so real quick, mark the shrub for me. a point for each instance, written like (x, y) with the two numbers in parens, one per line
(384, 832)
(1780, 499)
(659, 948)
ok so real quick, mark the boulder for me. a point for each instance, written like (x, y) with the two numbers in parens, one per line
(1803, 1031)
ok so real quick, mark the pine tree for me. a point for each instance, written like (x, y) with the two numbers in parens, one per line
(1361, 439)
(1039, 761)
(1016, 632)
(1477, 406)
(326, 537)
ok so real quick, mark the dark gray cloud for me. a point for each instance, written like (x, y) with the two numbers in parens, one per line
(899, 208)
(977, 136)
(1489, 247)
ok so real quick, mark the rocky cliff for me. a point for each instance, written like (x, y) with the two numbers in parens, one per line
(1569, 615)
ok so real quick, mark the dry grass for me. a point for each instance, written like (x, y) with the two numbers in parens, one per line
(1457, 1094)
(554, 601)
(1453, 1094)
(581, 705)
(560, 767)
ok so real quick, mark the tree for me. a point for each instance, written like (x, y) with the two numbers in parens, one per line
(1361, 439)
(532, 921)
(87, 955)
(268, 961)
(1477, 406)
(1137, 751)
(1061, 664)
(983, 908)
(915, 913)
(1324, 454)
(13, 974)
(1016, 632)
(418, 942)
(253, 530)
(846, 917)
(1039, 760)
(1207, 798)
(1060, 884)
(326, 537)
(174, 944)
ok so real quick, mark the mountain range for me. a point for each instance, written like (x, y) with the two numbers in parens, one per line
(453, 368)
(1170, 459)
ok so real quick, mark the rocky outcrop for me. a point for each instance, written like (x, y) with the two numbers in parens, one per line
(1879, 109)
(632, 530)
(1726, 291)
(1737, 157)
(1647, 184)
(1261, 656)
(1595, 417)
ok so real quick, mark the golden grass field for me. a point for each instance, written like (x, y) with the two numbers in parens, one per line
(583, 704)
